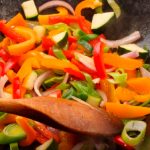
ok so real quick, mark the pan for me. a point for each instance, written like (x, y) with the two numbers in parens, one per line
(135, 16)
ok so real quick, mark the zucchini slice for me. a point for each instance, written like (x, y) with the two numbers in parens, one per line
(101, 20)
(29, 9)
(61, 38)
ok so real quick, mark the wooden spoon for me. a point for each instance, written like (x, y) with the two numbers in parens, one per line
(64, 114)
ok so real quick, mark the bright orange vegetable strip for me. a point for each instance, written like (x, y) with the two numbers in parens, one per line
(86, 4)
(44, 19)
(9, 118)
(125, 94)
(140, 85)
(21, 48)
(11, 75)
(120, 62)
(17, 20)
(142, 98)
(30, 132)
(127, 111)
(131, 74)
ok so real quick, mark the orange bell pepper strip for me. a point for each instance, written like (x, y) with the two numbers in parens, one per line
(120, 62)
(44, 19)
(51, 62)
(87, 4)
(11, 75)
(17, 20)
(131, 74)
(140, 85)
(23, 47)
(125, 94)
(125, 111)
(30, 132)
(5, 43)
(109, 89)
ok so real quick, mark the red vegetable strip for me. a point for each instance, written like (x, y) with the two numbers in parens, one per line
(72, 39)
(10, 33)
(75, 73)
(47, 43)
(3, 54)
(119, 141)
(16, 88)
(2, 69)
(98, 60)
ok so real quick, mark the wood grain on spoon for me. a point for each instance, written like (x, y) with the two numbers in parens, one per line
(64, 114)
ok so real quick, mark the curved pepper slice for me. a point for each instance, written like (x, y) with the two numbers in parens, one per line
(21, 48)
(127, 111)
(44, 19)
(86, 4)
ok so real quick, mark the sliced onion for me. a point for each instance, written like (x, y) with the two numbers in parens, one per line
(56, 3)
(110, 70)
(126, 40)
(39, 82)
(144, 72)
(48, 92)
(3, 81)
(133, 54)
(104, 98)
(66, 78)
(96, 80)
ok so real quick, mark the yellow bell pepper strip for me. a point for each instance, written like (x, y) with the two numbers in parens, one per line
(140, 85)
(87, 4)
(17, 20)
(51, 62)
(44, 19)
(26, 67)
(115, 60)
(125, 111)
(142, 98)
(23, 47)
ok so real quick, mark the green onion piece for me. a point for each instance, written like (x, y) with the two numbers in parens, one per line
(115, 7)
(86, 45)
(28, 95)
(145, 103)
(134, 132)
(14, 146)
(119, 77)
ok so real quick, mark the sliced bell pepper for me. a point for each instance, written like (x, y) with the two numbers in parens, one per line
(11, 75)
(16, 88)
(87, 4)
(98, 53)
(21, 48)
(75, 73)
(4, 54)
(47, 43)
(120, 62)
(44, 19)
(56, 93)
(131, 73)
(140, 85)
(2, 69)
(11, 33)
(125, 111)
(5, 43)
(30, 132)
(72, 39)
(17, 20)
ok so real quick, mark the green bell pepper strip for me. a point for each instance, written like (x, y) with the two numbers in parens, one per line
(63, 86)
(59, 54)
(68, 93)
(134, 132)
(89, 79)
(86, 45)
(14, 146)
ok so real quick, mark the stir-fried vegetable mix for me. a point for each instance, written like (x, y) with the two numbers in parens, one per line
(64, 55)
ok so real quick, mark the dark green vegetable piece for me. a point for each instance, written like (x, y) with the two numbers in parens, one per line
(14, 146)
(86, 45)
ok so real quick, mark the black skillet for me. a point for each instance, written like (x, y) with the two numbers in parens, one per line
(135, 16)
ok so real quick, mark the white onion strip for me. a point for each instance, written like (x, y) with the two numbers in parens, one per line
(3, 81)
(104, 98)
(133, 54)
(39, 82)
(144, 72)
(56, 3)
(126, 40)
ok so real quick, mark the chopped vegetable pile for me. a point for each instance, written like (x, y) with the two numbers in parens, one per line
(64, 55)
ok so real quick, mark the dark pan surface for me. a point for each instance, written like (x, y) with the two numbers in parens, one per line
(135, 16)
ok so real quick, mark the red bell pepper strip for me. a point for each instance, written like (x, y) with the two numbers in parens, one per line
(98, 60)
(16, 88)
(82, 67)
(47, 43)
(119, 141)
(10, 33)
(4, 55)
(83, 23)
(72, 39)
(75, 73)
(51, 52)
(56, 93)
(2, 69)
